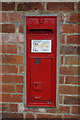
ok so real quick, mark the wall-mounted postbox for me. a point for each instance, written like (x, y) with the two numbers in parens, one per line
(41, 52)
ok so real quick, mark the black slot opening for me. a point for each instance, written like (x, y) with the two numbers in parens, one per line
(40, 31)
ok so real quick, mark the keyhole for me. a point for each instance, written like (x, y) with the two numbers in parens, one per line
(35, 85)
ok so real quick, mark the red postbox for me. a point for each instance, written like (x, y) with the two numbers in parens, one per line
(41, 52)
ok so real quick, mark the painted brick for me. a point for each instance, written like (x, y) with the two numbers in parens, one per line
(12, 38)
(29, 6)
(9, 49)
(29, 115)
(73, 39)
(71, 90)
(13, 59)
(19, 88)
(8, 6)
(71, 60)
(60, 6)
(70, 28)
(9, 69)
(12, 79)
(8, 88)
(8, 28)
(69, 70)
(11, 98)
(12, 17)
(13, 107)
(72, 80)
(71, 100)
(76, 110)
(12, 115)
(69, 50)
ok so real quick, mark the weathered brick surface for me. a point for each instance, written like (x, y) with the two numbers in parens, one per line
(70, 28)
(57, 6)
(14, 59)
(11, 98)
(73, 39)
(71, 90)
(8, 6)
(13, 78)
(9, 49)
(12, 17)
(9, 69)
(71, 100)
(12, 115)
(8, 28)
(72, 80)
(29, 6)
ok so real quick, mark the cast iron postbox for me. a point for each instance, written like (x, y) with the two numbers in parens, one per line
(41, 52)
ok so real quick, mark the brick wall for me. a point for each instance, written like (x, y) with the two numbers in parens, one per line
(12, 39)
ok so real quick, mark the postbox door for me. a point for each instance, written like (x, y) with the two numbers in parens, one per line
(41, 79)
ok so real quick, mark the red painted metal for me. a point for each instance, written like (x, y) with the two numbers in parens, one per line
(41, 67)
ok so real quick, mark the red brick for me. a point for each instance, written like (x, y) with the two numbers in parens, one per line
(76, 110)
(29, 6)
(62, 39)
(71, 116)
(9, 49)
(21, 28)
(11, 98)
(19, 88)
(48, 116)
(13, 107)
(5, 107)
(8, 6)
(61, 79)
(72, 90)
(71, 60)
(21, 69)
(61, 58)
(9, 69)
(72, 80)
(29, 115)
(69, 50)
(0, 58)
(12, 115)
(12, 79)
(8, 88)
(75, 17)
(0, 17)
(12, 38)
(71, 100)
(78, 6)
(69, 70)
(70, 28)
(60, 99)
(60, 6)
(8, 28)
(12, 17)
(73, 39)
(13, 59)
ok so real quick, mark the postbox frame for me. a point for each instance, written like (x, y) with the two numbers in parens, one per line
(57, 62)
